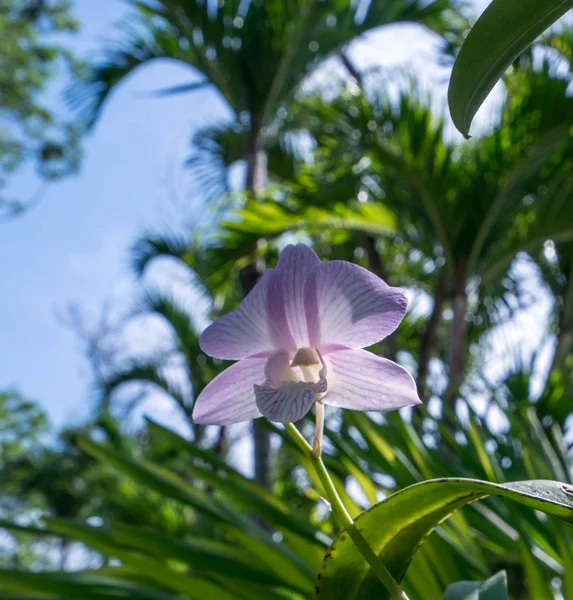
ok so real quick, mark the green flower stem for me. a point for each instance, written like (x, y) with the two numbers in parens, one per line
(345, 520)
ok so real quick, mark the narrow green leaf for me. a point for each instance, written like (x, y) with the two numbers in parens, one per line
(182, 89)
(245, 492)
(565, 549)
(170, 485)
(202, 555)
(273, 559)
(142, 560)
(424, 582)
(397, 526)
(23, 597)
(494, 588)
(537, 580)
(504, 30)
(158, 479)
(72, 586)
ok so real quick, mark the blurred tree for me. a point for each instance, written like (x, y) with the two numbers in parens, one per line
(180, 372)
(389, 189)
(467, 211)
(30, 59)
(386, 187)
(23, 429)
(256, 54)
(218, 544)
(47, 476)
(22, 425)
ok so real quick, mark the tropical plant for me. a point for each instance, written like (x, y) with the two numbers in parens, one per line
(180, 372)
(255, 55)
(223, 553)
(506, 442)
(383, 169)
(228, 553)
(22, 429)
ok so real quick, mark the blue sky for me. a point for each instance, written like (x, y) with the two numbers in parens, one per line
(73, 247)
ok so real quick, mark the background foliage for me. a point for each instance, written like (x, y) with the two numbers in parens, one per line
(31, 54)
(365, 169)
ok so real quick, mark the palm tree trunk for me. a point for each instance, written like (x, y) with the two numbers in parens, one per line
(429, 340)
(64, 552)
(222, 445)
(256, 180)
(257, 168)
(458, 341)
(564, 345)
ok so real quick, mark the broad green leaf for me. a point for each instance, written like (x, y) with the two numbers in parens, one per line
(502, 32)
(494, 588)
(397, 526)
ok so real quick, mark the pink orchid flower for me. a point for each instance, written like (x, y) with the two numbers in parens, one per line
(298, 337)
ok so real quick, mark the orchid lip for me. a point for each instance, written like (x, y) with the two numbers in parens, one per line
(291, 387)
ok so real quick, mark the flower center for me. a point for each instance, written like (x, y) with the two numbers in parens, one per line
(291, 387)
(309, 363)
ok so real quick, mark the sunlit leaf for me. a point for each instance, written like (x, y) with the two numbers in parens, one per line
(396, 527)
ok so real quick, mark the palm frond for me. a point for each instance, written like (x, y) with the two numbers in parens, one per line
(151, 246)
(215, 149)
(141, 42)
(179, 320)
(255, 54)
(150, 375)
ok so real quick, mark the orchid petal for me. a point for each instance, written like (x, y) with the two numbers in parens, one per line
(294, 266)
(230, 398)
(258, 326)
(360, 380)
(349, 306)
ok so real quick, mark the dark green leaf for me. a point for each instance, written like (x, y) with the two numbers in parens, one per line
(502, 32)
(184, 88)
(72, 586)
